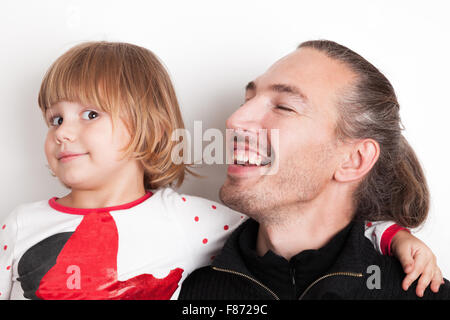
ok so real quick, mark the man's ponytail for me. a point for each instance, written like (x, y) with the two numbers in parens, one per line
(396, 191)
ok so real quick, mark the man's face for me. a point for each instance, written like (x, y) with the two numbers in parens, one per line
(297, 96)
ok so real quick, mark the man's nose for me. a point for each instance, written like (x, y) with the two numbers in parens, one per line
(249, 116)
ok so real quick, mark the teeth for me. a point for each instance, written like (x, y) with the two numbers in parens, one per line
(240, 157)
(254, 159)
(243, 158)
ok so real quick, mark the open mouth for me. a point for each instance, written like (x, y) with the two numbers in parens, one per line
(249, 158)
(251, 154)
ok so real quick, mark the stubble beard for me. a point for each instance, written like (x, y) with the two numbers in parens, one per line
(266, 201)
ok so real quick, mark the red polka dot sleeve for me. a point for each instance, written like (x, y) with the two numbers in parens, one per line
(206, 225)
(8, 236)
(381, 233)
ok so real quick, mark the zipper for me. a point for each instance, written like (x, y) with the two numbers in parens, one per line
(347, 274)
(292, 271)
(249, 278)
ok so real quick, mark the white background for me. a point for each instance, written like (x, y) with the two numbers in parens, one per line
(212, 49)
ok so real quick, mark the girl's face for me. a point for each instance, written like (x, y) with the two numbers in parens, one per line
(83, 150)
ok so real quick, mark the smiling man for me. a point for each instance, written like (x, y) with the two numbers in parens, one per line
(341, 160)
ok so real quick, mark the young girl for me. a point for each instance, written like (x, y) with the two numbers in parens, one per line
(121, 232)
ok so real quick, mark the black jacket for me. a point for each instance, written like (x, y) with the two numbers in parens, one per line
(350, 276)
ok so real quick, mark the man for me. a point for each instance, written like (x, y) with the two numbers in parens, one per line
(341, 160)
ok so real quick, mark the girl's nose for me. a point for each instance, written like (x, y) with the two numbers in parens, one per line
(66, 132)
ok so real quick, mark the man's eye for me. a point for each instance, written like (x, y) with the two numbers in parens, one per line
(283, 108)
(56, 121)
(89, 115)
(245, 101)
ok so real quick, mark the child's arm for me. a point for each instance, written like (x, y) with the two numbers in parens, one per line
(416, 258)
(8, 231)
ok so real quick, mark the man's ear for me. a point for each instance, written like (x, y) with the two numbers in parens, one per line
(360, 157)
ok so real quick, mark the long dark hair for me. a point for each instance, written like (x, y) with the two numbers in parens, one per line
(396, 188)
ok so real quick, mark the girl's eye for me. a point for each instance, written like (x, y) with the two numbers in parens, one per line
(89, 115)
(56, 121)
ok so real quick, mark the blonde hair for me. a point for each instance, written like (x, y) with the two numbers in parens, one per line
(128, 82)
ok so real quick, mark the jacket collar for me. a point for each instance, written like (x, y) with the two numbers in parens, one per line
(353, 257)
